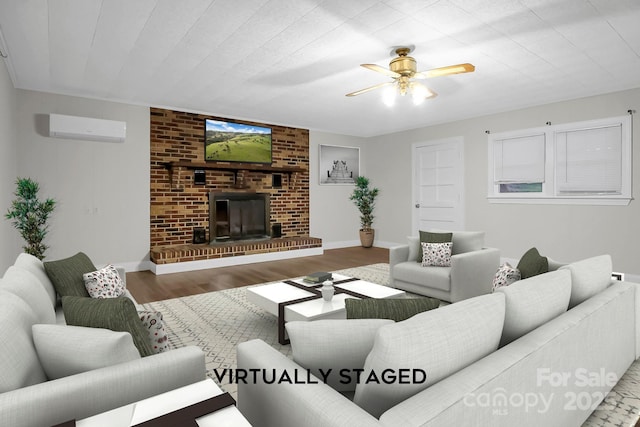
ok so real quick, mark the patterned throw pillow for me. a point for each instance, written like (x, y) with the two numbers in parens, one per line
(104, 283)
(152, 321)
(436, 254)
(505, 276)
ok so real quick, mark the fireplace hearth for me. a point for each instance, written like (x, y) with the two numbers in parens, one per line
(238, 216)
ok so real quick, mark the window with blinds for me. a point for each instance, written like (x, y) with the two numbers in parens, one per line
(585, 162)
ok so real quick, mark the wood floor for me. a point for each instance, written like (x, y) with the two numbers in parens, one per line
(147, 287)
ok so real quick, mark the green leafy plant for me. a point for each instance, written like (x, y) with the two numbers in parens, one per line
(364, 198)
(29, 216)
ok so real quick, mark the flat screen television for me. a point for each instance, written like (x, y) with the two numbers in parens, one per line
(236, 142)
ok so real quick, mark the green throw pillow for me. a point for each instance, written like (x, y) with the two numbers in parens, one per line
(532, 263)
(66, 274)
(118, 314)
(430, 237)
(396, 309)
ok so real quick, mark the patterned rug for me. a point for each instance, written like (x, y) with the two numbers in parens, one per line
(218, 321)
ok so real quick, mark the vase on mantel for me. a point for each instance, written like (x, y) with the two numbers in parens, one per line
(327, 290)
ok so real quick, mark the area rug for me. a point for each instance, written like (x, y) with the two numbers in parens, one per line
(218, 321)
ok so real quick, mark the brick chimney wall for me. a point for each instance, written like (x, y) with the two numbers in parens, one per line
(178, 207)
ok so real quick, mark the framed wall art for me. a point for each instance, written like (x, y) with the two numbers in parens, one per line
(339, 165)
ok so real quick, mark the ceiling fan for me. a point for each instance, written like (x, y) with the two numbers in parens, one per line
(402, 69)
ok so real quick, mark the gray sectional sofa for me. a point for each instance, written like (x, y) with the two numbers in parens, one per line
(30, 308)
(542, 351)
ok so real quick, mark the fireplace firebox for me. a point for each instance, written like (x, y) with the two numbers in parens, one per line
(238, 216)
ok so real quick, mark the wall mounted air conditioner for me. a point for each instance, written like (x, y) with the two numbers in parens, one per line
(86, 128)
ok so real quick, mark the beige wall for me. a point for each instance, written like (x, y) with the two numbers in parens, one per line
(102, 188)
(9, 237)
(562, 232)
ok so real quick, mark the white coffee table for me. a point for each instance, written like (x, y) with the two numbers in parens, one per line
(279, 299)
(170, 401)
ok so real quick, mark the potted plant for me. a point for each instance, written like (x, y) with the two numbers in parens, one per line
(29, 216)
(364, 198)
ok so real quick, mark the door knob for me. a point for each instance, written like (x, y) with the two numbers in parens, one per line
(417, 205)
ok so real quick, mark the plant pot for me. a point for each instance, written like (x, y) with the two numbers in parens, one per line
(366, 237)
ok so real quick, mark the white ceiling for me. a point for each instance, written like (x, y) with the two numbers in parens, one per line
(291, 62)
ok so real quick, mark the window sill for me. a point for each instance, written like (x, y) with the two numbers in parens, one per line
(578, 200)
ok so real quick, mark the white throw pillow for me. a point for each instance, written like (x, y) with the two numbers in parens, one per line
(430, 345)
(436, 254)
(505, 276)
(104, 283)
(35, 266)
(534, 301)
(67, 350)
(153, 323)
(334, 345)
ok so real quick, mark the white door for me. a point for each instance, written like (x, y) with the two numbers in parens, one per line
(438, 185)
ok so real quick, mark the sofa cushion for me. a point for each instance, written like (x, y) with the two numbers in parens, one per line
(588, 277)
(104, 283)
(396, 309)
(67, 350)
(36, 267)
(412, 272)
(66, 274)
(436, 343)
(19, 364)
(333, 344)
(436, 254)
(24, 284)
(533, 302)
(118, 314)
(505, 276)
(154, 325)
(532, 263)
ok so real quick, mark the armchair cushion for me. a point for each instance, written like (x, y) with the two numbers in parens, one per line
(118, 314)
(412, 272)
(333, 345)
(67, 350)
(436, 254)
(396, 309)
(66, 274)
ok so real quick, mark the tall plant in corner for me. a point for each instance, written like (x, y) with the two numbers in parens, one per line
(365, 199)
(29, 216)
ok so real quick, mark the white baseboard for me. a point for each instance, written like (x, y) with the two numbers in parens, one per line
(339, 245)
(180, 267)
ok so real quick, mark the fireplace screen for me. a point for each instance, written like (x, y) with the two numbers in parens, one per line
(238, 216)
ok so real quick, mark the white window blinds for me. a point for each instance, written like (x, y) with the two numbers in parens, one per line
(589, 160)
(519, 159)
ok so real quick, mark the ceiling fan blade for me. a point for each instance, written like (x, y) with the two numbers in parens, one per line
(445, 71)
(379, 69)
(361, 91)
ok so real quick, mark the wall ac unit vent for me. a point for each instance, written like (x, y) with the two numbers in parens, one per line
(86, 128)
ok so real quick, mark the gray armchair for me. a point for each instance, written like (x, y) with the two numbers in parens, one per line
(472, 270)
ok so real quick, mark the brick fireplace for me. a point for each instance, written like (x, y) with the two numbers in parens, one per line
(180, 204)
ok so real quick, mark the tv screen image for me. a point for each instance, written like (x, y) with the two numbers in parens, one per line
(236, 142)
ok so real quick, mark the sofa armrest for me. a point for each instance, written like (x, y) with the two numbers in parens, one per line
(472, 273)
(284, 404)
(89, 393)
(397, 254)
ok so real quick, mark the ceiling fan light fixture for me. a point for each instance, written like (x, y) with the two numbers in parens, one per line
(389, 96)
